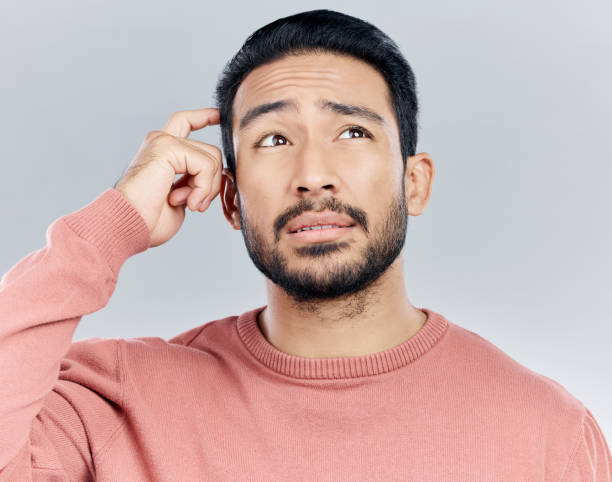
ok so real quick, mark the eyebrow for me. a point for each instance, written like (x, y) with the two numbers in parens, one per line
(337, 107)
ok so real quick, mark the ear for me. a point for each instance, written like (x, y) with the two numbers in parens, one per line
(418, 181)
(229, 198)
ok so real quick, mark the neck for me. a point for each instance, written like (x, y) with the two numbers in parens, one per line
(375, 319)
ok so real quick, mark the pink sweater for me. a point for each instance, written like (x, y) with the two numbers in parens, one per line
(220, 403)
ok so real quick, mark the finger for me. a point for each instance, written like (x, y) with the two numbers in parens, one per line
(214, 180)
(183, 122)
(199, 166)
(204, 183)
(179, 196)
(180, 190)
(215, 189)
(198, 161)
(208, 148)
(216, 155)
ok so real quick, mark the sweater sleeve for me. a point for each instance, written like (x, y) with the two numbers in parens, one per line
(43, 374)
(591, 460)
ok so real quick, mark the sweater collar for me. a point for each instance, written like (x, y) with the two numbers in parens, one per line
(341, 367)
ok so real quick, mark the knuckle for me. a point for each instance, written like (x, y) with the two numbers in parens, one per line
(209, 166)
(176, 115)
(152, 135)
(217, 151)
(162, 141)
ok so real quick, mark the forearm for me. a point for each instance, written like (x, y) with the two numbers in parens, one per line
(44, 296)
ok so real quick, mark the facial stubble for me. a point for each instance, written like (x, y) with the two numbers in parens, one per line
(330, 278)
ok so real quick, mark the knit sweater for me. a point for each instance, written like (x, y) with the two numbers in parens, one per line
(221, 403)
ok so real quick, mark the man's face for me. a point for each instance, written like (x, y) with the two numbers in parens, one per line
(308, 157)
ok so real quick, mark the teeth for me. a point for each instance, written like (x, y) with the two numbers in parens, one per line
(317, 227)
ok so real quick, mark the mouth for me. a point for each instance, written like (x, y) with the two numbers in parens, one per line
(313, 234)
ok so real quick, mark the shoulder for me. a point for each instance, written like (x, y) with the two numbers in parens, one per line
(493, 370)
(195, 344)
(93, 360)
(529, 409)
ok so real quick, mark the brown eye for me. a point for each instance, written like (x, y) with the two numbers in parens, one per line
(272, 140)
(354, 133)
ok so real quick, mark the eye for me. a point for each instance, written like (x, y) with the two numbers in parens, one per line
(360, 131)
(274, 140)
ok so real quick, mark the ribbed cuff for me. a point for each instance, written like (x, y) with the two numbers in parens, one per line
(113, 225)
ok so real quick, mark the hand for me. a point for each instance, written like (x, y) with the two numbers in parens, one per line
(148, 182)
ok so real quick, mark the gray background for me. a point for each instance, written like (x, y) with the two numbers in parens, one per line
(514, 244)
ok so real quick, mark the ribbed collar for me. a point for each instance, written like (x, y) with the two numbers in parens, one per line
(341, 367)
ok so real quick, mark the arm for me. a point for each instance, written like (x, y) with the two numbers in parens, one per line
(42, 299)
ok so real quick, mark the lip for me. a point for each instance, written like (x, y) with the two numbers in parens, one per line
(319, 219)
(319, 235)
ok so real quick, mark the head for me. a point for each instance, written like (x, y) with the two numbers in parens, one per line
(318, 124)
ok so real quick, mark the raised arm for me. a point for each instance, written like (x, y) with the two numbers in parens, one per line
(42, 299)
(57, 411)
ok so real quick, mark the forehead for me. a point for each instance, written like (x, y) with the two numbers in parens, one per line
(310, 77)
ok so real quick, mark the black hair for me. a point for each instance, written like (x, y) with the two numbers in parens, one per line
(322, 31)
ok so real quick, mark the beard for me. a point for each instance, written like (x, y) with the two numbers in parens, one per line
(334, 279)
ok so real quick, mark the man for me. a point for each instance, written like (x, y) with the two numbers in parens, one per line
(338, 377)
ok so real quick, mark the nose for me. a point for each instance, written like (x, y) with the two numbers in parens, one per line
(314, 172)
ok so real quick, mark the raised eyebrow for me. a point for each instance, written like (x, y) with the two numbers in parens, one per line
(353, 110)
(337, 107)
(262, 109)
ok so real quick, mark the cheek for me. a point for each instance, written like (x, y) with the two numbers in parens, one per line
(373, 179)
(380, 190)
(258, 202)
(251, 169)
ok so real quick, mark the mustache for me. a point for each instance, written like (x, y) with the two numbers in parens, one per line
(331, 203)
